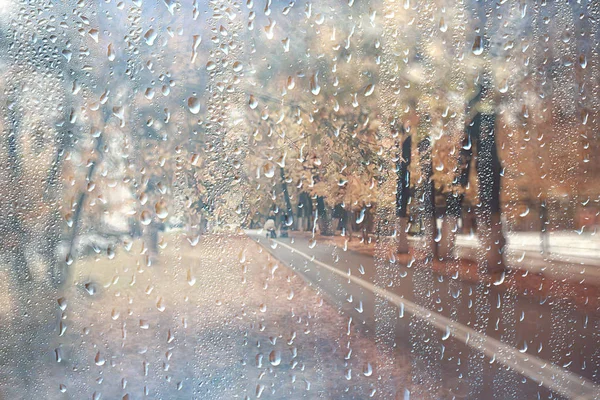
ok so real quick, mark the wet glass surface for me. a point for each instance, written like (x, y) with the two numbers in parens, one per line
(221, 199)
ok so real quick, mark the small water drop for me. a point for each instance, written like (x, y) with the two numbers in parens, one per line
(99, 359)
(442, 25)
(361, 216)
(275, 357)
(315, 88)
(191, 279)
(160, 304)
(269, 28)
(90, 287)
(252, 102)
(211, 66)
(583, 61)
(268, 170)
(145, 217)
(150, 36)
(194, 105)
(111, 53)
(161, 209)
(477, 46)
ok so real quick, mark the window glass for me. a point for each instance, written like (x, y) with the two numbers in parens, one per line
(240, 199)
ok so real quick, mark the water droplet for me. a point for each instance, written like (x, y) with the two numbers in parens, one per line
(90, 287)
(524, 348)
(191, 279)
(194, 105)
(259, 390)
(442, 25)
(275, 357)
(348, 374)
(253, 103)
(269, 28)
(291, 83)
(499, 278)
(359, 309)
(268, 170)
(145, 217)
(314, 84)
(149, 93)
(446, 333)
(111, 53)
(62, 303)
(161, 209)
(150, 36)
(99, 359)
(160, 304)
(583, 61)
(361, 216)
(94, 34)
(503, 88)
(211, 66)
(478, 46)
(67, 54)
(195, 44)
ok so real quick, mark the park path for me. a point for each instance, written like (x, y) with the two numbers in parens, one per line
(213, 318)
(548, 340)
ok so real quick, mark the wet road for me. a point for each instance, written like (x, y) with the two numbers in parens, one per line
(547, 342)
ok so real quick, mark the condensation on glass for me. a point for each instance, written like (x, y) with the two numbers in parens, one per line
(220, 199)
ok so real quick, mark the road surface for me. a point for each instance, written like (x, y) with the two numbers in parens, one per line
(471, 341)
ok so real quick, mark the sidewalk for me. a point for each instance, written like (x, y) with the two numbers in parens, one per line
(533, 276)
(217, 319)
(571, 256)
(452, 299)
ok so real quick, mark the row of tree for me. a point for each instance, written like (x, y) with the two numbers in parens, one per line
(217, 112)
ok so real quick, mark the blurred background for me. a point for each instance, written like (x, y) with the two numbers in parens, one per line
(443, 153)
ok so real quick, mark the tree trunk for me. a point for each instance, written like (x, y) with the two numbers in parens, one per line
(286, 195)
(304, 212)
(17, 236)
(488, 175)
(402, 194)
(52, 232)
(324, 217)
(447, 240)
(348, 220)
(454, 202)
(77, 215)
(544, 228)
(427, 198)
